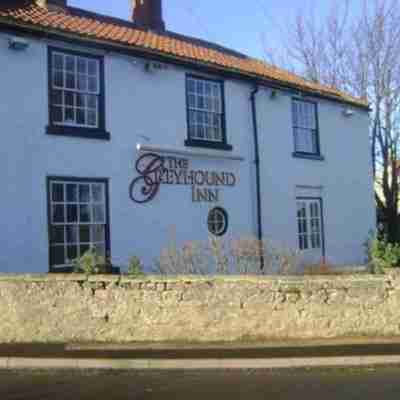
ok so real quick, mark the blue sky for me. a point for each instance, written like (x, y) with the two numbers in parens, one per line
(238, 24)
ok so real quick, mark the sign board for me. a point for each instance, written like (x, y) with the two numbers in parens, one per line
(155, 170)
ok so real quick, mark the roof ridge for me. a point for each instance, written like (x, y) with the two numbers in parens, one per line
(80, 12)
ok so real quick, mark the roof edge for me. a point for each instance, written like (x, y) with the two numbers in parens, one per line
(161, 56)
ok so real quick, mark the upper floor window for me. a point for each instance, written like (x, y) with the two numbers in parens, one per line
(305, 126)
(76, 94)
(206, 115)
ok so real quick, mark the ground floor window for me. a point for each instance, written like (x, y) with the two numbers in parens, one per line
(78, 219)
(309, 222)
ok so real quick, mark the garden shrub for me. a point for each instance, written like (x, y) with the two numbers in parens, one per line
(91, 263)
(135, 267)
(382, 254)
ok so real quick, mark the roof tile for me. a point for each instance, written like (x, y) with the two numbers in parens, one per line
(90, 25)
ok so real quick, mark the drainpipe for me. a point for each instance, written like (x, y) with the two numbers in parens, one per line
(260, 235)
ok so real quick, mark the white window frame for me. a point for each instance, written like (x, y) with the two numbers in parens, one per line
(310, 224)
(305, 122)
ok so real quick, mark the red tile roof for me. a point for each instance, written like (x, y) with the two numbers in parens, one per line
(94, 27)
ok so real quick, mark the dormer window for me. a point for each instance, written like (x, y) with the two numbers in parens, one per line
(206, 113)
(76, 94)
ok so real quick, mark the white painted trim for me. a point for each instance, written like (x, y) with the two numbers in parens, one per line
(217, 154)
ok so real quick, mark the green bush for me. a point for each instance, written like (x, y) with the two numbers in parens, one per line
(90, 263)
(382, 254)
(135, 267)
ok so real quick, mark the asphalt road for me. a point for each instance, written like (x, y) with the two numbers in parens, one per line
(363, 384)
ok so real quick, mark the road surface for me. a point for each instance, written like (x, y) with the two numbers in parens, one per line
(329, 384)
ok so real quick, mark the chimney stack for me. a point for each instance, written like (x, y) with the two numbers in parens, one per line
(52, 3)
(148, 14)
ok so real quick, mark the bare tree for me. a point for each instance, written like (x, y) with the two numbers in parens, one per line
(358, 53)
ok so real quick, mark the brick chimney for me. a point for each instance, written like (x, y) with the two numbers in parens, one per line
(148, 14)
(52, 3)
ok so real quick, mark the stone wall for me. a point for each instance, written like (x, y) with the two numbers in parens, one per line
(75, 308)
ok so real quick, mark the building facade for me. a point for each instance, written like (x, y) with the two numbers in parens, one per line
(119, 134)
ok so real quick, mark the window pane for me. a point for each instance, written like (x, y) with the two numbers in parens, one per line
(72, 234)
(58, 213)
(200, 102)
(69, 115)
(92, 102)
(72, 193)
(192, 100)
(82, 65)
(84, 234)
(57, 114)
(57, 97)
(93, 86)
(81, 100)
(72, 213)
(100, 250)
(58, 61)
(84, 193)
(97, 233)
(70, 63)
(58, 79)
(80, 116)
(93, 67)
(57, 192)
(69, 99)
(217, 90)
(84, 213)
(92, 118)
(98, 214)
(200, 132)
(57, 235)
(72, 253)
(82, 83)
(70, 81)
(57, 255)
(191, 86)
(208, 88)
(84, 248)
(97, 192)
(199, 87)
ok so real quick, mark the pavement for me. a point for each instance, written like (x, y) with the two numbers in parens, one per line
(351, 352)
(344, 384)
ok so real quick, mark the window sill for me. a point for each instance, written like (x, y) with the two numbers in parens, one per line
(309, 156)
(208, 145)
(76, 132)
(70, 270)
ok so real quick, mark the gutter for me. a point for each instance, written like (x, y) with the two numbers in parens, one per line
(260, 235)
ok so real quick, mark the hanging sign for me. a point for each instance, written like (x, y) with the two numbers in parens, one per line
(155, 170)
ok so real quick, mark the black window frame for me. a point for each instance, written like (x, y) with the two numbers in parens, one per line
(303, 154)
(202, 143)
(74, 179)
(72, 131)
(226, 217)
